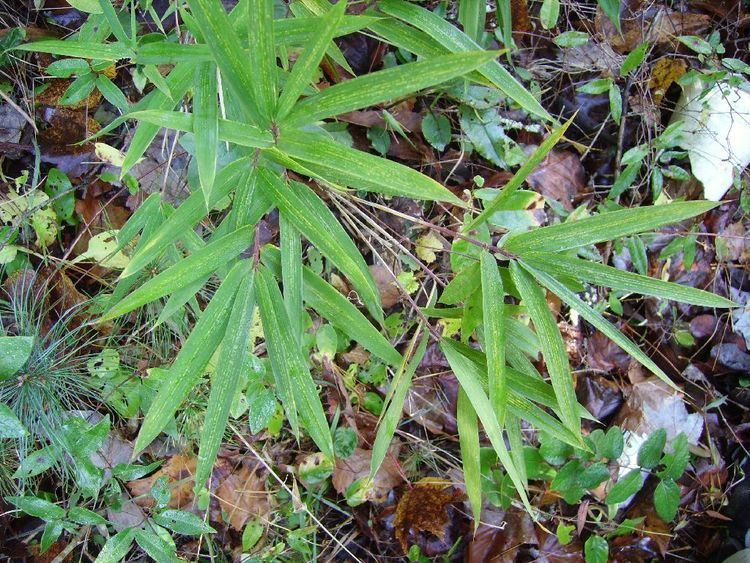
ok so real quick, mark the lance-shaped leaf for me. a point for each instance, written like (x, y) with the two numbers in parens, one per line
(206, 125)
(553, 347)
(394, 402)
(603, 227)
(288, 363)
(179, 81)
(228, 130)
(291, 273)
(494, 333)
(307, 63)
(261, 56)
(340, 164)
(607, 276)
(234, 351)
(83, 49)
(330, 304)
(318, 225)
(385, 85)
(208, 259)
(454, 40)
(481, 404)
(192, 359)
(596, 319)
(468, 441)
(185, 217)
(519, 177)
(228, 54)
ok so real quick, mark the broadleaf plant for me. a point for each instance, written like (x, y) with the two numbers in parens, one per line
(226, 85)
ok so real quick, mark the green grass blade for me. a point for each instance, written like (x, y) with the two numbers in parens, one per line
(114, 23)
(603, 227)
(234, 351)
(206, 125)
(228, 54)
(192, 359)
(337, 309)
(187, 215)
(291, 273)
(553, 347)
(597, 320)
(607, 276)
(384, 85)
(481, 404)
(468, 440)
(493, 304)
(286, 358)
(262, 56)
(394, 404)
(340, 164)
(308, 62)
(515, 440)
(315, 221)
(454, 40)
(186, 271)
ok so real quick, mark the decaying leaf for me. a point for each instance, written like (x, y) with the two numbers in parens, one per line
(427, 246)
(665, 72)
(357, 465)
(242, 496)
(180, 472)
(560, 176)
(423, 510)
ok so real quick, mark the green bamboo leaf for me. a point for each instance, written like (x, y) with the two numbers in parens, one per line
(225, 44)
(206, 260)
(114, 22)
(287, 361)
(596, 319)
(206, 125)
(117, 547)
(287, 31)
(83, 49)
(519, 177)
(179, 81)
(306, 65)
(553, 347)
(515, 440)
(112, 93)
(315, 221)
(340, 164)
(187, 215)
(604, 227)
(262, 56)
(494, 333)
(192, 359)
(472, 15)
(394, 402)
(385, 85)
(518, 404)
(454, 40)
(481, 404)
(291, 273)
(337, 309)
(468, 440)
(234, 351)
(235, 132)
(607, 276)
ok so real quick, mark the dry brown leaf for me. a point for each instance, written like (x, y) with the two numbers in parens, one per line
(180, 472)
(390, 294)
(242, 495)
(424, 509)
(665, 72)
(657, 25)
(560, 176)
(357, 465)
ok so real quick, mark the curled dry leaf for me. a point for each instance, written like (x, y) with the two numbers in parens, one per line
(423, 512)
(560, 176)
(390, 294)
(501, 541)
(242, 495)
(357, 465)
